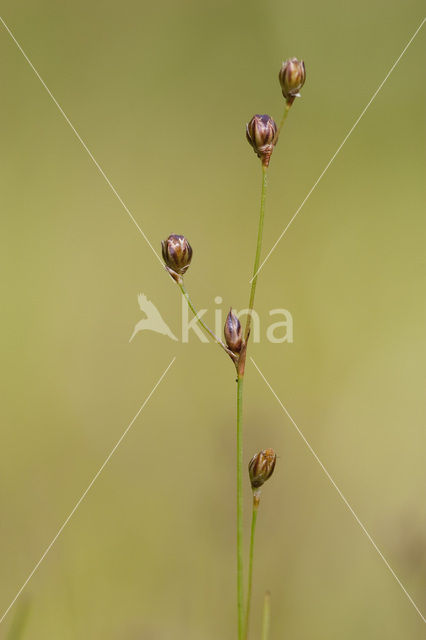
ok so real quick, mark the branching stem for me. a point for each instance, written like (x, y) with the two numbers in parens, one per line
(242, 615)
(201, 322)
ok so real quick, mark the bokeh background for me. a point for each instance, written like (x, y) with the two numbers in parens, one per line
(160, 92)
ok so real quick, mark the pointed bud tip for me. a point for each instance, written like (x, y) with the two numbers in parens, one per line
(233, 332)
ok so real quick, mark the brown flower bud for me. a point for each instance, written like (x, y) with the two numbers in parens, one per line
(177, 254)
(292, 77)
(261, 134)
(261, 467)
(233, 332)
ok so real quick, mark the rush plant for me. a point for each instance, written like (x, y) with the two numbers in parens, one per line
(262, 134)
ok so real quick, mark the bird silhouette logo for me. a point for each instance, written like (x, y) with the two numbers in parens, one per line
(153, 320)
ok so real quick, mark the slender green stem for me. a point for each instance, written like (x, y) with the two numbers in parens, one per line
(258, 250)
(240, 581)
(250, 571)
(240, 584)
(201, 322)
(266, 620)
(285, 114)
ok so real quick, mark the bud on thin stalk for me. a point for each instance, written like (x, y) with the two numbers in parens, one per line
(177, 255)
(233, 332)
(261, 133)
(261, 467)
(292, 77)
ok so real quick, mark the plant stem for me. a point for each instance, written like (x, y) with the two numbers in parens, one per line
(201, 322)
(256, 499)
(266, 620)
(285, 114)
(240, 581)
(240, 378)
(258, 250)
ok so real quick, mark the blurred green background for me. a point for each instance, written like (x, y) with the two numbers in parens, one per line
(161, 92)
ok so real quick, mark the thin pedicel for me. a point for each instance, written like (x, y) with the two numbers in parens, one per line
(177, 255)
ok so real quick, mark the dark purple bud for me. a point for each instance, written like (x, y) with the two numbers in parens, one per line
(177, 254)
(261, 134)
(233, 332)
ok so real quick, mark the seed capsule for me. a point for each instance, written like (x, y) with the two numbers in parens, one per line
(261, 467)
(233, 332)
(177, 254)
(292, 77)
(261, 134)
